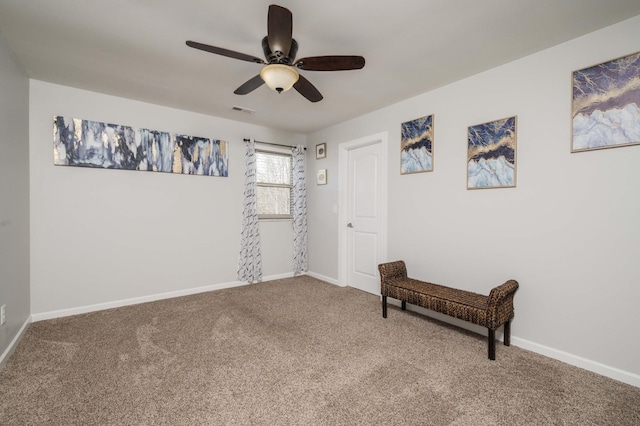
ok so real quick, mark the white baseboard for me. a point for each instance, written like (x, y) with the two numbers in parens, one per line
(143, 299)
(324, 278)
(278, 276)
(14, 343)
(571, 359)
(133, 301)
(577, 361)
(587, 364)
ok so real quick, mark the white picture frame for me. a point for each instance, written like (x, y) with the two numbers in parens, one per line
(321, 177)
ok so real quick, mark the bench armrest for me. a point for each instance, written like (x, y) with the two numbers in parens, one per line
(500, 303)
(499, 294)
(392, 271)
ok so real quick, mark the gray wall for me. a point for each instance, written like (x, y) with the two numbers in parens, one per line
(569, 231)
(14, 197)
(102, 238)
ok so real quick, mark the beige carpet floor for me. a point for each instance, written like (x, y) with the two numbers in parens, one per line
(295, 351)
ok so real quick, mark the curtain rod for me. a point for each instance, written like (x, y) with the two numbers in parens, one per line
(274, 144)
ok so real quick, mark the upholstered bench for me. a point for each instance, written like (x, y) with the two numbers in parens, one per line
(487, 311)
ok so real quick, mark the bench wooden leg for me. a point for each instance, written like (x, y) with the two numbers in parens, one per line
(507, 333)
(384, 306)
(492, 344)
(404, 305)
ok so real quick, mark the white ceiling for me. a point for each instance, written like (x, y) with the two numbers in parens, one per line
(136, 48)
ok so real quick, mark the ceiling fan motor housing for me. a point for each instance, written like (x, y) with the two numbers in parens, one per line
(279, 57)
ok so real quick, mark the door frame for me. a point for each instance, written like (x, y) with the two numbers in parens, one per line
(343, 168)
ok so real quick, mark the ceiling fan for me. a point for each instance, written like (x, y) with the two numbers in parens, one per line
(280, 68)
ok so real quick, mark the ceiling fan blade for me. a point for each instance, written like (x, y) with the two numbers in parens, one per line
(279, 29)
(224, 52)
(308, 90)
(331, 63)
(249, 86)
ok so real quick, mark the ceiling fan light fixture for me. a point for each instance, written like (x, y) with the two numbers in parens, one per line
(279, 77)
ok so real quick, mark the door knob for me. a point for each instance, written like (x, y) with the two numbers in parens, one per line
(349, 225)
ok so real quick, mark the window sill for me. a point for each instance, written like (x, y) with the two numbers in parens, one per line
(275, 219)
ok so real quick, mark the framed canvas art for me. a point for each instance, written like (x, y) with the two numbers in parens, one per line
(491, 154)
(606, 105)
(86, 143)
(416, 145)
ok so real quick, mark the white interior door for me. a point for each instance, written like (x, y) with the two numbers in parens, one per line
(364, 218)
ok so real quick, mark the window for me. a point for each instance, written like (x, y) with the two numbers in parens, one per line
(274, 178)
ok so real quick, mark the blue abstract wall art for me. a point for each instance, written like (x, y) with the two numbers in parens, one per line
(606, 105)
(199, 156)
(491, 154)
(86, 143)
(417, 145)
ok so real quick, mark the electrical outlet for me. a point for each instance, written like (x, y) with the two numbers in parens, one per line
(3, 314)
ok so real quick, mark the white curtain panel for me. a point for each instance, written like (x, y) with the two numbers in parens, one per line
(299, 212)
(250, 263)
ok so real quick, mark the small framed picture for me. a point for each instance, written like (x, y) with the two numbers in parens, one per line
(321, 151)
(321, 177)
